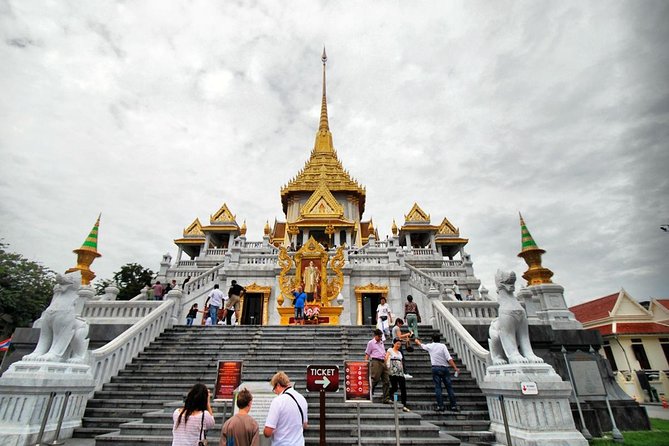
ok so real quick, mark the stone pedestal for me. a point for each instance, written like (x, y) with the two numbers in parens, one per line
(25, 389)
(534, 420)
(546, 302)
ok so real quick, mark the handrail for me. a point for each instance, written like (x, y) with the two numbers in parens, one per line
(483, 311)
(203, 279)
(423, 281)
(473, 355)
(126, 310)
(107, 360)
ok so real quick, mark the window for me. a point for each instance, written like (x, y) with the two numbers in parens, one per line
(609, 355)
(640, 353)
(664, 342)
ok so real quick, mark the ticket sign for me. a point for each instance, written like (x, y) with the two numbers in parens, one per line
(357, 384)
(322, 377)
(228, 378)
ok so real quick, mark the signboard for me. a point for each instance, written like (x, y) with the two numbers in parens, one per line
(358, 387)
(228, 378)
(587, 379)
(262, 398)
(322, 377)
(529, 388)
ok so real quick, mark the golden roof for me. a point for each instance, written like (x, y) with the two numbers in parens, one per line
(223, 215)
(322, 204)
(447, 229)
(323, 164)
(416, 215)
(194, 230)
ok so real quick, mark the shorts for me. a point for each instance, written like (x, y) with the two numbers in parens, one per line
(299, 313)
(232, 302)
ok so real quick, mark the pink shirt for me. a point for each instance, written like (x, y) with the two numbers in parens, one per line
(188, 434)
(376, 350)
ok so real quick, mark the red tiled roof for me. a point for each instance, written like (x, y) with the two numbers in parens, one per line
(633, 328)
(595, 309)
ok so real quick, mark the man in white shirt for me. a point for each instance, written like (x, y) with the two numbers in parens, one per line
(440, 359)
(287, 416)
(456, 290)
(215, 300)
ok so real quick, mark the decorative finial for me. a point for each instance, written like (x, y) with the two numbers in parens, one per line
(324, 125)
(242, 230)
(531, 253)
(267, 229)
(86, 254)
(394, 227)
(324, 57)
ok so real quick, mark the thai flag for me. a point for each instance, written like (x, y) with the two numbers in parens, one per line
(4, 345)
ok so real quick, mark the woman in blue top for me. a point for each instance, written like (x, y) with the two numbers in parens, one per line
(300, 299)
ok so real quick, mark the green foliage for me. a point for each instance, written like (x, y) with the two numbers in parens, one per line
(130, 280)
(26, 288)
(657, 436)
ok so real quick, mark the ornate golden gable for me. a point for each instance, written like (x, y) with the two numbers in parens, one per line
(223, 215)
(416, 214)
(322, 204)
(447, 228)
(194, 230)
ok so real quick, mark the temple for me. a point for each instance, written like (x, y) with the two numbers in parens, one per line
(324, 229)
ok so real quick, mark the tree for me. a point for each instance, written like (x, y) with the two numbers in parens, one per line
(130, 280)
(26, 288)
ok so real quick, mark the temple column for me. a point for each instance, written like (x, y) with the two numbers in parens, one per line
(407, 237)
(207, 241)
(348, 238)
(231, 240)
(305, 236)
(336, 239)
(433, 243)
(179, 254)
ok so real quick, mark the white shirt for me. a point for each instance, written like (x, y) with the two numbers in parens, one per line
(216, 298)
(439, 355)
(456, 289)
(285, 418)
(383, 310)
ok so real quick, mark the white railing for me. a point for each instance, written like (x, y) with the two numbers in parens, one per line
(422, 251)
(253, 245)
(482, 312)
(182, 263)
(423, 282)
(473, 355)
(259, 259)
(202, 280)
(441, 273)
(107, 360)
(217, 251)
(368, 259)
(452, 264)
(128, 311)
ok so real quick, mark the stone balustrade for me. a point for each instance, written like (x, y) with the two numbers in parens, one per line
(473, 312)
(259, 259)
(217, 252)
(452, 272)
(473, 355)
(421, 252)
(423, 281)
(99, 312)
(452, 264)
(202, 280)
(184, 263)
(368, 259)
(107, 360)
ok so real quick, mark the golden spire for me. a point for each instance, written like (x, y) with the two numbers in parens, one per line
(531, 253)
(86, 254)
(242, 230)
(266, 230)
(394, 227)
(324, 125)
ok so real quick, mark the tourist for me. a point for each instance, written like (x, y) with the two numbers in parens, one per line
(234, 294)
(183, 285)
(384, 317)
(412, 315)
(197, 410)
(287, 417)
(300, 299)
(440, 359)
(215, 300)
(376, 354)
(456, 290)
(157, 291)
(468, 296)
(241, 429)
(405, 338)
(395, 365)
(192, 314)
(174, 284)
(168, 288)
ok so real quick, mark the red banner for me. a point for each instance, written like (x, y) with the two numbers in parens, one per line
(228, 378)
(357, 383)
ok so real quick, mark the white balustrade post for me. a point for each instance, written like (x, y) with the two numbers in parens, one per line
(86, 293)
(176, 296)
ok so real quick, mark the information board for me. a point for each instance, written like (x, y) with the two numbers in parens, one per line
(358, 387)
(587, 379)
(228, 378)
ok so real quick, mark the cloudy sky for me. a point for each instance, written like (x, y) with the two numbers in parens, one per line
(156, 112)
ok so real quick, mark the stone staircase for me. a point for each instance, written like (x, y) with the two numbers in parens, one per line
(135, 407)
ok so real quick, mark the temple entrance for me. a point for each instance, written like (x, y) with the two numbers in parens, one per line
(368, 298)
(370, 301)
(252, 309)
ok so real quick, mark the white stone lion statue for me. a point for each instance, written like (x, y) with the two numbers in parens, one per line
(63, 336)
(509, 341)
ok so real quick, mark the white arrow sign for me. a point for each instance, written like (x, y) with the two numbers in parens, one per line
(325, 381)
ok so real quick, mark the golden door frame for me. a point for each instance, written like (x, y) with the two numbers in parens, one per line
(368, 289)
(254, 288)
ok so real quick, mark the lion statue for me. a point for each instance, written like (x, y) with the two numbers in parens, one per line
(509, 340)
(63, 336)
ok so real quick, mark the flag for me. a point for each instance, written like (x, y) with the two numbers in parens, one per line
(4, 345)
